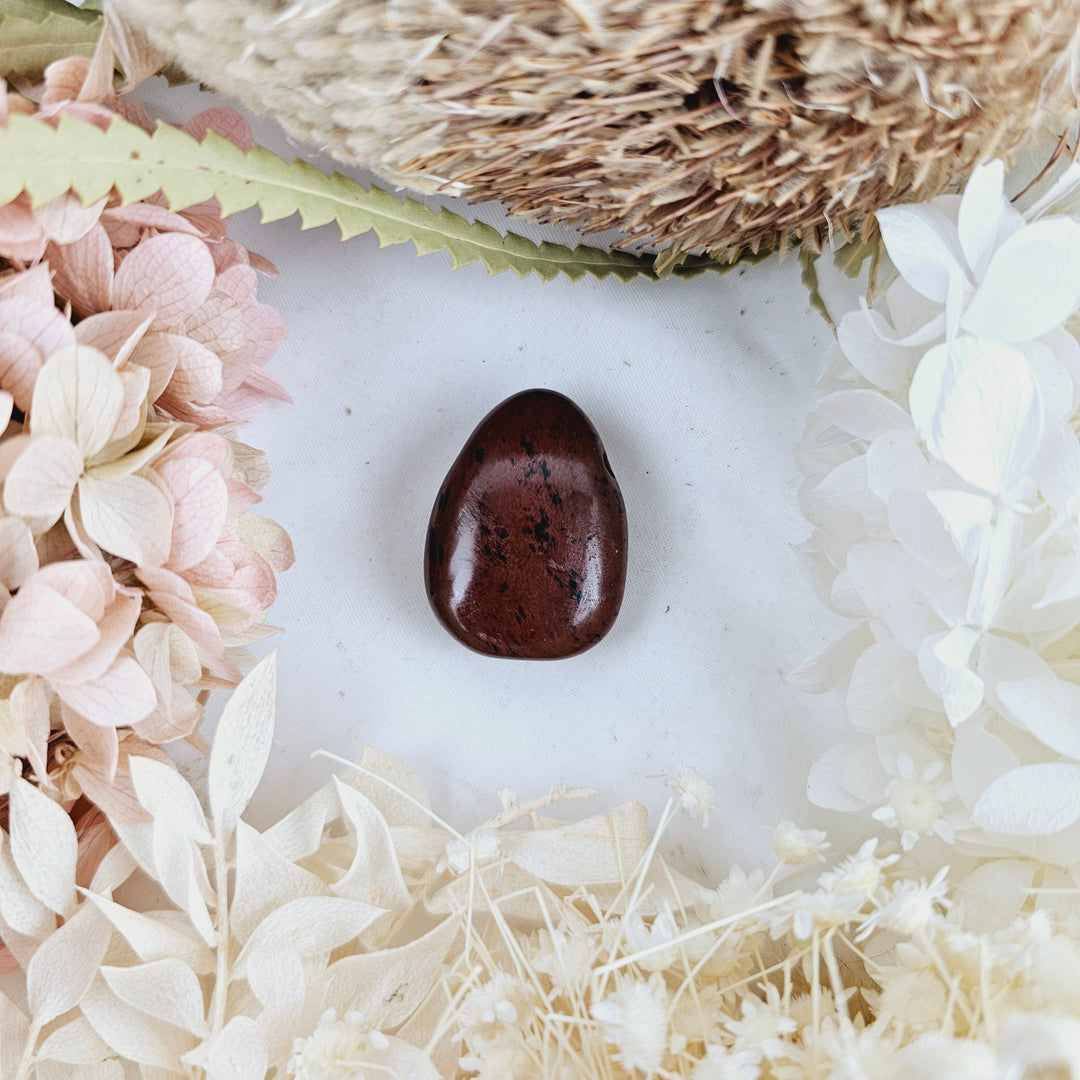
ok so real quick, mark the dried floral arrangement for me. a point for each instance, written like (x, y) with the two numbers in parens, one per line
(149, 931)
(362, 937)
(719, 126)
(132, 570)
(942, 465)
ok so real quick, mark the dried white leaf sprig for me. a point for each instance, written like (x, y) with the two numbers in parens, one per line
(943, 484)
(360, 937)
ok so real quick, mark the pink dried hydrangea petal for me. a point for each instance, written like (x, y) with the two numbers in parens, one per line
(242, 497)
(172, 595)
(145, 215)
(159, 353)
(135, 112)
(116, 627)
(200, 501)
(99, 744)
(98, 115)
(116, 797)
(197, 375)
(206, 217)
(227, 123)
(251, 588)
(205, 416)
(29, 334)
(120, 697)
(171, 274)
(20, 362)
(89, 585)
(83, 272)
(262, 264)
(22, 238)
(115, 333)
(42, 325)
(228, 253)
(200, 444)
(41, 631)
(95, 839)
(64, 79)
(239, 282)
(266, 328)
(215, 571)
(244, 403)
(220, 324)
(262, 383)
(34, 284)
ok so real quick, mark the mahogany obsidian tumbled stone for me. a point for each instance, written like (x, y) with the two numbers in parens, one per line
(526, 547)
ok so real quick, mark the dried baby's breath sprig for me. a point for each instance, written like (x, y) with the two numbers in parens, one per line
(344, 943)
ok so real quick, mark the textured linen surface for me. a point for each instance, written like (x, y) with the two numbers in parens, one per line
(698, 390)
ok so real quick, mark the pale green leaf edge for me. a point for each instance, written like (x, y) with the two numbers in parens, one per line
(46, 162)
(34, 35)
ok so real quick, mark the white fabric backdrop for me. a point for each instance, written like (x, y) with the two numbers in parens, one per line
(698, 390)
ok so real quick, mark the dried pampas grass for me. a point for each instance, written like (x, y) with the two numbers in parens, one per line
(705, 126)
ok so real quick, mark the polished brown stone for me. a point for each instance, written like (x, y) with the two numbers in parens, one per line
(526, 547)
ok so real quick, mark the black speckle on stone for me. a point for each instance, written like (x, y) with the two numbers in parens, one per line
(502, 533)
(540, 529)
(556, 498)
(521, 611)
(478, 453)
(503, 587)
(526, 446)
(443, 496)
(546, 471)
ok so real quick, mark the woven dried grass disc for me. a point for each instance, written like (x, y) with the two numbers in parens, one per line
(711, 125)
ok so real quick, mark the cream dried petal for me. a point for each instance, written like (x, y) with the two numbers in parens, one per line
(130, 516)
(1032, 800)
(40, 483)
(18, 555)
(268, 538)
(65, 219)
(78, 396)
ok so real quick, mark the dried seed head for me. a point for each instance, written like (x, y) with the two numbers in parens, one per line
(714, 126)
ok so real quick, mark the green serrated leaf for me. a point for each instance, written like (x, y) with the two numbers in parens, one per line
(39, 10)
(808, 260)
(78, 156)
(30, 43)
